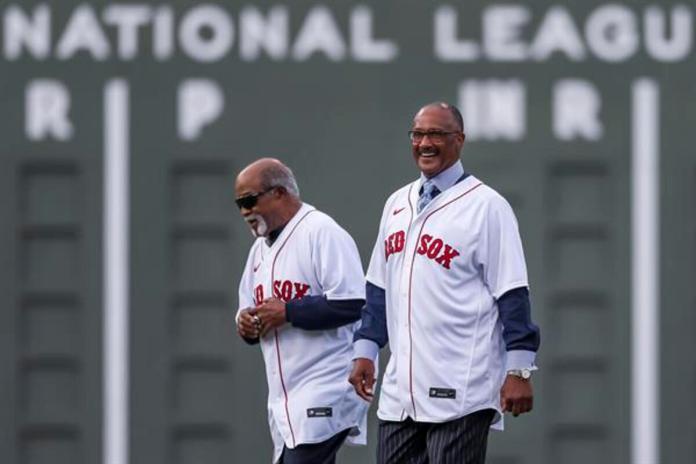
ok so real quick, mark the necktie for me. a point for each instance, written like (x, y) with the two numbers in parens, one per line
(428, 192)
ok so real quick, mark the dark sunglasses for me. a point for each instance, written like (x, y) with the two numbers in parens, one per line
(249, 201)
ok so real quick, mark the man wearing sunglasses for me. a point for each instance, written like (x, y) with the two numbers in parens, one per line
(447, 289)
(300, 297)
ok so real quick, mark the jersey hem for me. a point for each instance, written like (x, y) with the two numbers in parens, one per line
(436, 420)
(368, 278)
(326, 437)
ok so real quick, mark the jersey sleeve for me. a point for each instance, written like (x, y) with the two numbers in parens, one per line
(246, 284)
(499, 252)
(337, 263)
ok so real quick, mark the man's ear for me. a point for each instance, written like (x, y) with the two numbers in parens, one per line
(280, 191)
(460, 139)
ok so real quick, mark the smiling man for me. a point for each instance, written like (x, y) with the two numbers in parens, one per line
(300, 296)
(447, 289)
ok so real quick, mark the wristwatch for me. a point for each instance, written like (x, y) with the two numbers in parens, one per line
(524, 374)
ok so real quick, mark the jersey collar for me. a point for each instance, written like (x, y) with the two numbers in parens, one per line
(304, 209)
(446, 178)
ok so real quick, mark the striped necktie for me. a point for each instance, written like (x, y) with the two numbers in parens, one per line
(428, 192)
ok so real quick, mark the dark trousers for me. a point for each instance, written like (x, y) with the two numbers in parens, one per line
(314, 453)
(460, 441)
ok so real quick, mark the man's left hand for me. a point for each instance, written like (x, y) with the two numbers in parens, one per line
(516, 395)
(272, 314)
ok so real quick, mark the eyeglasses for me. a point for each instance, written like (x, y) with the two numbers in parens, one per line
(249, 201)
(434, 135)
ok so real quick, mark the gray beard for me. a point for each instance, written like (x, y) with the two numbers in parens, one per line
(261, 226)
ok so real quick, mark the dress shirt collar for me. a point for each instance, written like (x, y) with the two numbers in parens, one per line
(446, 178)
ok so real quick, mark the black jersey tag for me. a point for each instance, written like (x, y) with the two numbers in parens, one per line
(443, 393)
(319, 412)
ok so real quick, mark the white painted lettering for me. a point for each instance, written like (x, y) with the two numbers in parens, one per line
(363, 44)
(200, 102)
(557, 33)
(47, 103)
(493, 109)
(657, 44)
(218, 33)
(447, 46)
(502, 26)
(576, 107)
(162, 33)
(21, 32)
(319, 33)
(611, 33)
(127, 19)
(258, 33)
(83, 32)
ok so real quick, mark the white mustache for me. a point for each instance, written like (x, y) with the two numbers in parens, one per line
(252, 217)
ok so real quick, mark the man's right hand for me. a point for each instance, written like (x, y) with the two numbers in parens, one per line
(246, 324)
(363, 378)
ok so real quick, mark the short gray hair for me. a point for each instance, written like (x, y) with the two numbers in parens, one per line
(279, 175)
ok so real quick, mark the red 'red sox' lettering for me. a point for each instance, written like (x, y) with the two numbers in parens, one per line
(258, 294)
(287, 290)
(433, 249)
(394, 244)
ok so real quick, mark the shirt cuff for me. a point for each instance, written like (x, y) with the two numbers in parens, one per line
(365, 348)
(519, 359)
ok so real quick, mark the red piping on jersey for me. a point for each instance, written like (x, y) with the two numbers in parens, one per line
(410, 208)
(410, 338)
(277, 342)
(410, 280)
(282, 382)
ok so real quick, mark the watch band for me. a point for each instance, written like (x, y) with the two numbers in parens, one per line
(521, 373)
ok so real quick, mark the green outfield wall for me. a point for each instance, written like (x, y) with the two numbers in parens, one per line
(123, 126)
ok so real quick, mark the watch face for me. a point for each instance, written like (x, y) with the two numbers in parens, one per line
(526, 373)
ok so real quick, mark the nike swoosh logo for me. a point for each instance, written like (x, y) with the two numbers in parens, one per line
(257, 267)
(397, 211)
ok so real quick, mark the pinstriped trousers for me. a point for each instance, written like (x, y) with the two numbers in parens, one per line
(460, 441)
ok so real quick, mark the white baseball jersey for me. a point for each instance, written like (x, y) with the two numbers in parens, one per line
(309, 397)
(442, 270)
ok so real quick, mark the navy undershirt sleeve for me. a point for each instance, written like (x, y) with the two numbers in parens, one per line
(519, 332)
(318, 313)
(374, 317)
